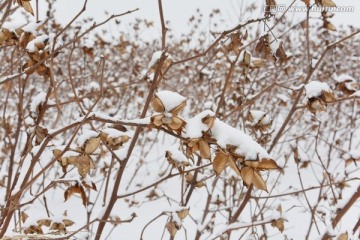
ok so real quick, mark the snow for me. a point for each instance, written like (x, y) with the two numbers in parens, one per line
(282, 97)
(117, 118)
(315, 89)
(260, 117)
(31, 47)
(170, 99)
(274, 46)
(344, 77)
(356, 94)
(38, 99)
(177, 155)
(246, 146)
(122, 152)
(12, 26)
(89, 43)
(194, 127)
(32, 27)
(85, 136)
(355, 154)
(112, 132)
(156, 57)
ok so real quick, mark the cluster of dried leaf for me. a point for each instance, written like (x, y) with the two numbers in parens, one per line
(93, 87)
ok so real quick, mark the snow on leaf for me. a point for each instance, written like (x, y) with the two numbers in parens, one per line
(314, 89)
(38, 100)
(32, 46)
(170, 99)
(32, 27)
(195, 127)
(226, 135)
(176, 157)
(85, 136)
(156, 57)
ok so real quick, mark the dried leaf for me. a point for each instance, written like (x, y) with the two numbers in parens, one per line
(200, 184)
(157, 105)
(304, 164)
(247, 58)
(328, 96)
(177, 123)
(44, 222)
(189, 178)
(91, 145)
(280, 53)
(251, 176)
(204, 149)
(26, 5)
(307, 2)
(59, 226)
(67, 222)
(279, 224)
(343, 236)
(23, 216)
(328, 3)
(88, 186)
(183, 213)
(57, 152)
(209, 121)
(172, 228)
(220, 162)
(316, 105)
(263, 164)
(84, 164)
(296, 156)
(178, 109)
(257, 63)
(33, 229)
(233, 166)
(40, 134)
(157, 120)
(330, 26)
(76, 189)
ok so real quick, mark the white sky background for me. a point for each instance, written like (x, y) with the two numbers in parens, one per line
(178, 12)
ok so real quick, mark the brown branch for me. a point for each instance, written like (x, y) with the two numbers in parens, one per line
(243, 204)
(340, 214)
(163, 27)
(113, 198)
